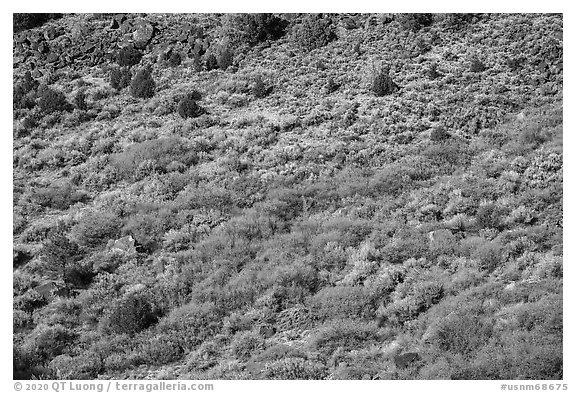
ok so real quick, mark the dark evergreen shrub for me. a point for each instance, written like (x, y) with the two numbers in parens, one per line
(252, 29)
(259, 90)
(382, 84)
(120, 77)
(414, 22)
(225, 57)
(142, 85)
(331, 86)
(477, 66)
(51, 100)
(211, 63)
(80, 100)
(128, 56)
(188, 107)
(28, 21)
(24, 91)
(132, 314)
(439, 134)
(175, 59)
(315, 31)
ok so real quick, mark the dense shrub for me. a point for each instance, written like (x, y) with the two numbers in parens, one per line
(245, 344)
(153, 155)
(194, 323)
(315, 31)
(295, 369)
(414, 22)
(162, 349)
(476, 65)
(24, 92)
(382, 83)
(59, 197)
(343, 302)
(120, 77)
(84, 366)
(188, 106)
(252, 29)
(50, 100)
(80, 100)
(132, 313)
(143, 85)
(128, 56)
(94, 229)
(347, 334)
(211, 63)
(260, 90)
(28, 21)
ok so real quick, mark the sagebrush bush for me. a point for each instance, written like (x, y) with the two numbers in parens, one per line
(50, 100)
(260, 90)
(143, 85)
(343, 302)
(344, 333)
(94, 229)
(120, 77)
(315, 31)
(245, 344)
(132, 313)
(295, 369)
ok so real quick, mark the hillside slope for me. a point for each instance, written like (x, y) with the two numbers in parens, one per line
(292, 197)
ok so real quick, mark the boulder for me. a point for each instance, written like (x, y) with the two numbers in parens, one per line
(143, 33)
(50, 289)
(405, 359)
(126, 244)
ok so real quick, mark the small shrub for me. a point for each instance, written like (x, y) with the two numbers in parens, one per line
(128, 56)
(477, 66)
(175, 59)
(80, 100)
(251, 29)
(259, 90)
(131, 314)
(120, 77)
(414, 22)
(211, 63)
(225, 57)
(143, 85)
(96, 228)
(439, 134)
(344, 333)
(85, 366)
(331, 86)
(162, 349)
(315, 31)
(245, 344)
(382, 84)
(51, 100)
(341, 302)
(188, 107)
(295, 369)
(28, 21)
